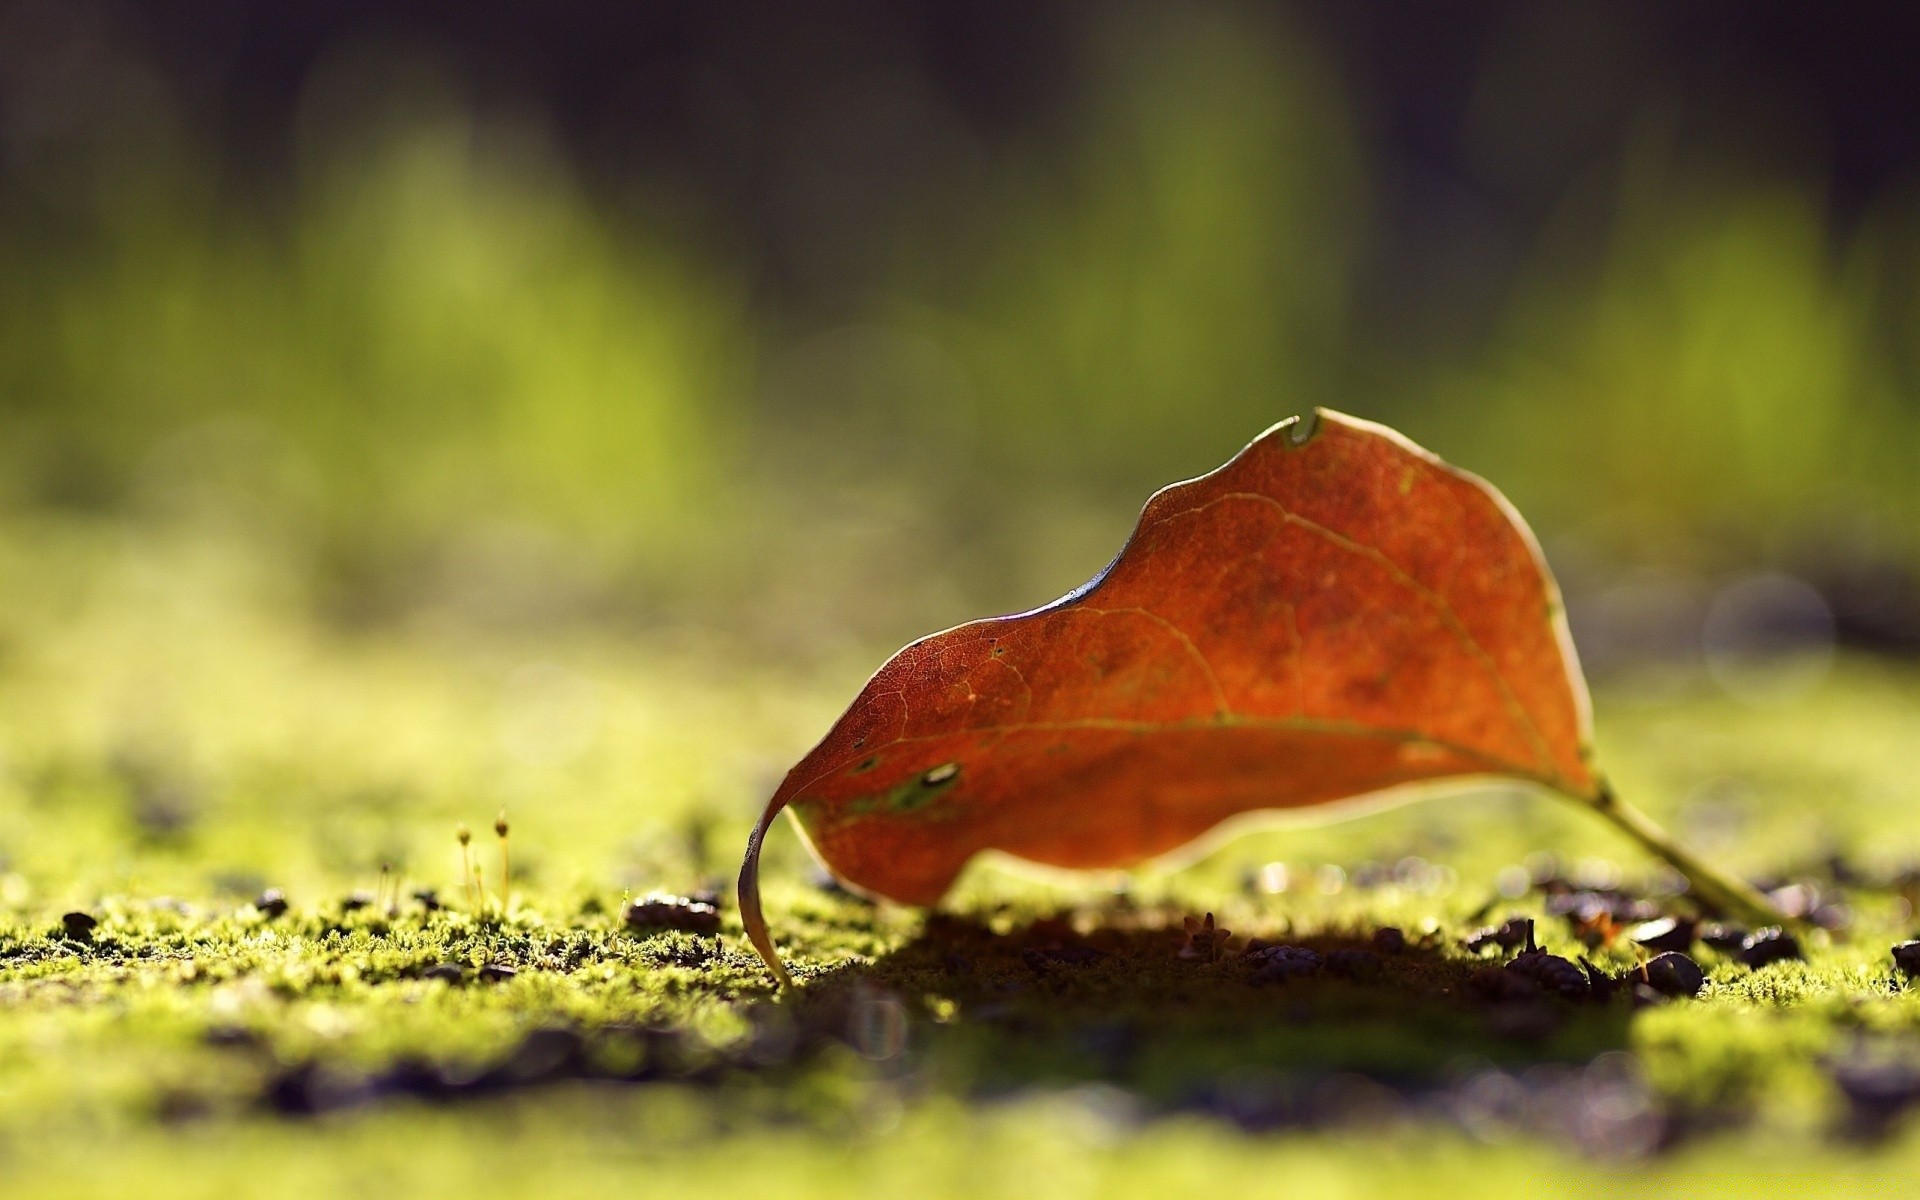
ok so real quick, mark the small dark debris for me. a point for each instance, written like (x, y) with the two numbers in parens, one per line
(1729, 938)
(687, 952)
(428, 899)
(1517, 934)
(452, 973)
(1514, 935)
(1552, 972)
(660, 911)
(1588, 905)
(1674, 934)
(1906, 956)
(356, 901)
(1769, 945)
(1842, 871)
(1350, 963)
(1389, 940)
(1601, 984)
(272, 903)
(497, 973)
(79, 926)
(1831, 916)
(1276, 964)
(1072, 954)
(307, 1089)
(1674, 974)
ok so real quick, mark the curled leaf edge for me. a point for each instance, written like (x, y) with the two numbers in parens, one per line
(1715, 888)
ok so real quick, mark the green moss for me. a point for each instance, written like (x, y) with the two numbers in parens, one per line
(170, 745)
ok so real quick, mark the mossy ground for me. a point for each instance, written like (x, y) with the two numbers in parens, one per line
(176, 736)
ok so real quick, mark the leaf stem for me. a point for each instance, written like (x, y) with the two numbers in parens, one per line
(1718, 892)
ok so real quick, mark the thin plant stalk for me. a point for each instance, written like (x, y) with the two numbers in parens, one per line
(506, 868)
(464, 836)
(1717, 891)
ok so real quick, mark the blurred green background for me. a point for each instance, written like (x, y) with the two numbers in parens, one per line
(886, 313)
(648, 371)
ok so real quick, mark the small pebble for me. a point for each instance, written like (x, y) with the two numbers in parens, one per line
(271, 903)
(1674, 974)
(356, 901)
(1277, 963)
(446, 972)
(1072, 955)
(1723, 937)
(1663, 933)
(497, 973)
(1389, 940)
(78, 925)
(1906, 956)
(1077, 954)
(1770, 945)
(671, 912)
(1552, 972)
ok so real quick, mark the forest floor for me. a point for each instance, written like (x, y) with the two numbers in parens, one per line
(241, 951)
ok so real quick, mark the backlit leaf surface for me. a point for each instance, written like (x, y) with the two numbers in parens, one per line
(1333, 613)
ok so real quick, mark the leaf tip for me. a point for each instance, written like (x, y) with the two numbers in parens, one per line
(752, 918)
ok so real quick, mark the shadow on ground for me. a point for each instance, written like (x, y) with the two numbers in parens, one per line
(1050, 1005)
(1334, 1028)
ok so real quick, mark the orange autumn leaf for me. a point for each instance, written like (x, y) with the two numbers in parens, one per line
(1332, 614)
